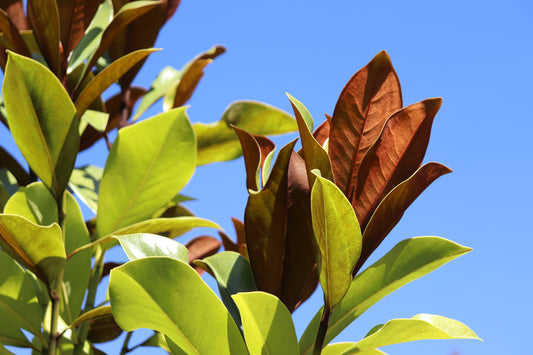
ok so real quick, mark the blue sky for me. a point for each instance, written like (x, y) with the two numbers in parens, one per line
(476, 55)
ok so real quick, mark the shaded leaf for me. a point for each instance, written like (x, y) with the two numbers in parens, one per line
(90, 41)
(98, 312)
(199, 323)
(201, 247)
(35, 203)
(267, 324)
(391, 209)
(407, 261)
(321, 133)
(107, 77)
(14, 168)
(420, 327)
(218, 142)
(74, 18)
(44, 19)
(364, 105)
(314, 155)
(136, 183)
(42, 119)
(19, 307)
(36, 247)
(85, 182)
(103, 329)
(182, 92)
(265, 220)
(11, 32)
(143, 245)
(15, 10)
(338, 238)
(395, 156)
(156, 340)
(233, 274)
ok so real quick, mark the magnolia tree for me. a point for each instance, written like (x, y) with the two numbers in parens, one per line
(313, 216)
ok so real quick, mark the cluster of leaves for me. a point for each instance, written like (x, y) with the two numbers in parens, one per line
(313, 216)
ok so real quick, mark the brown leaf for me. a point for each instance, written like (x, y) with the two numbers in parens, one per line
(114, 108)
(10, 31)
(228, 243)
(103, 329)
(75, 16)
(395, 156)
(201, 247)
(391, 209)
(255, 149)
(239, 231)
(364, 105)
(321, 133)
(44, 20)
(15, 10)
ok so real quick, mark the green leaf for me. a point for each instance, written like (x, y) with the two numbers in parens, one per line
(92, 314)
(267, 324)
(338, 238)
(339, 348)
(407, 261)
(108, 76)
(78, 267)
(4, 197)
(44, 18)
(420, 327)
(218, 142)
(137, 182)
(93, 35)
(42, 119)
(85, 183)
(96, 119)
(35, 203)
(144, 294)
(364, 105)
(176, 226)
(143, 245)
(162, 83)
(233, 274)
(38, 248)
(19, 307)
(314, 155)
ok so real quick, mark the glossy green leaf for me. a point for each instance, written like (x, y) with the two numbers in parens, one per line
(265, 220)
(218, 142)
(42, 119)
(364, 105)
(93, 35)
(38, 248)
(176, 226)
(162, 83)
(44, 18)
(391, 209)
(143, 245)
(420, 327)
(19, 307)
(96, 119)
(138, 182)
(143, 293)
(157, 340)
(78, 267)
(108, 76)
(85, 183)
(315, 156)
(233, 274)
(92, 314)
(339, 348)
(267, 324)
(35, 203)
(407, 261)
(395, 156)
(338, 238)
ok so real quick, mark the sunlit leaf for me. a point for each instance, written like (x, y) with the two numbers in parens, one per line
(97, 312)
(407, 261)
(395, 156)
(19, 307)
(339, 348)
(338, 238)
(201, 247)
(143, 293)
(42, 119)
(35, 203)
(107, 77)
(233, 274)
(85, 183)
(267, 324)
(420, 327)
(218, 142)
(391, 209)
(174, 226)
(143, 245)
(138, 182)
(367, 100)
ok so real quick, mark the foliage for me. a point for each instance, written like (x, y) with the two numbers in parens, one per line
(312, 216)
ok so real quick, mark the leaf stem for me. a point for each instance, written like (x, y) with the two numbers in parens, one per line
(323, 328)
(55, 296)
(125, 349)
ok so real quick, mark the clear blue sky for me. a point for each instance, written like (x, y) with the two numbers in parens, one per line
(474, 54)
